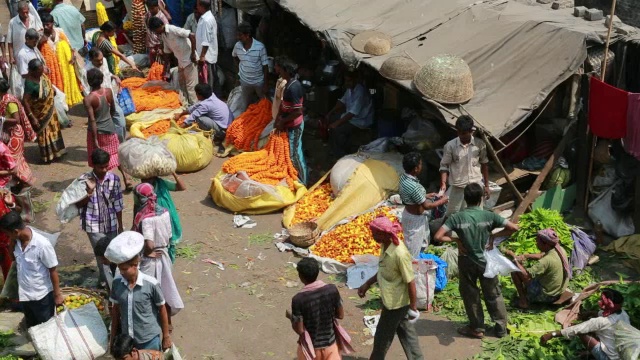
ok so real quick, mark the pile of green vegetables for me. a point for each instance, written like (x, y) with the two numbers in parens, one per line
(523, 241)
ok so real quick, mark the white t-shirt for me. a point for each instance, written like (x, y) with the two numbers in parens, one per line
(25, 55)
(207, 35)
(17, 30)
(604, 328)
(32, 265)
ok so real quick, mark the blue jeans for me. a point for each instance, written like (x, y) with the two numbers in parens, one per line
(153, 344)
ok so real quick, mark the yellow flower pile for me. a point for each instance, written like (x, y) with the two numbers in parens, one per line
(353, 238)
(101, 13)
(313, 204)
(68, 73)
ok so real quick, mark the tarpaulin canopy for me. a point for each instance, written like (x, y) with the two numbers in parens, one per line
(517, 53)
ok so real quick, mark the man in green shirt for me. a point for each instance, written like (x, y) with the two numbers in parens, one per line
(545, 281)
(473, 226)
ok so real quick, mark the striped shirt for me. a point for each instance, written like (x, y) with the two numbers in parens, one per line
(411, 191)
(251, 62)
(316, 309)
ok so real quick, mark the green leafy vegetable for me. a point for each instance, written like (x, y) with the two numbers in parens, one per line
(523, 241)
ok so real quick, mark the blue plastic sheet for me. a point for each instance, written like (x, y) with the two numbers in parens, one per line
(441, 271)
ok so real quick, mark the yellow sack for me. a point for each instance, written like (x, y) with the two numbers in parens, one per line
(153, 115)
(370, 183)
(260, 204)
(136, 129)
(192, 148)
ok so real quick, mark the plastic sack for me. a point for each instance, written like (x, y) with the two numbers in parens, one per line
(126, 102)
(193, 150)
(497, 264)
(241, 185)
(261, 204)
(441, 271)
(342, 171)
(421, 134)
(10, 286)
(627, 341)
(73, 334)
(60, 103)
(376, 146)
(365, 267)
(425, 278)
(236, 102)
(583, 248)
(66, 208)
(146, 158)
(450, 256)
(172, 353)
(613, 223)
(16, 81)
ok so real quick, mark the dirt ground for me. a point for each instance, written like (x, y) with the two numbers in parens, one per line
(237, 313)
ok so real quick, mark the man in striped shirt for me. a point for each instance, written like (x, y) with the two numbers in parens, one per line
(251, 58)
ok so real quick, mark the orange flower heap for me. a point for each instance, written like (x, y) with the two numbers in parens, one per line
(313, 204)
(155, 97)
(244, 132)
(270, 165)
(158, 128)
(156, 71)
(352, 238)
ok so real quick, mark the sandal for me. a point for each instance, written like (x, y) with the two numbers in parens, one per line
(466, 331)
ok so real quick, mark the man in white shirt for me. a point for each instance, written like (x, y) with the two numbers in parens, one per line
(251, 58)
(180, 42)
(28, 52)
(18, 27)
(603, 346)
(36, 262)
(191, 23)
(207, 46)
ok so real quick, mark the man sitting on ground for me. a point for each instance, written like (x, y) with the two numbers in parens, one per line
(210, 113)
(545, 281)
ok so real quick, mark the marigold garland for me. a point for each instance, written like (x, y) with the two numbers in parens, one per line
(244, 132)
(71, 88)
(155, 97)
(270, 165)
(133, 83)
(139, 28)
(313, 204)
(51, 60)
(156, 72)
(352, 238)
(158, 128)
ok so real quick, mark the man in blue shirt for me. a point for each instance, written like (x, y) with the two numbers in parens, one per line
(356, 109)
(210, 113)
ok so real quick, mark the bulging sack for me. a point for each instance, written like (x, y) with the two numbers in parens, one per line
(193, 150)
(425, 277)
(146, 158)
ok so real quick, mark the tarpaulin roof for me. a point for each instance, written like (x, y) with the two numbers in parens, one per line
(517, 53)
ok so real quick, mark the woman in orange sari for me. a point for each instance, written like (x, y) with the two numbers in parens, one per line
(16, 129)
(39, 106)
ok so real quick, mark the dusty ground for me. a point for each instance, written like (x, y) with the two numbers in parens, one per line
(237, 313)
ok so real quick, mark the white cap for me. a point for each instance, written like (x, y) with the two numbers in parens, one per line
(124, 247)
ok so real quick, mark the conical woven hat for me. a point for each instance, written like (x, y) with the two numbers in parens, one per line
(359, 41)
(399, 68)
(446, 79)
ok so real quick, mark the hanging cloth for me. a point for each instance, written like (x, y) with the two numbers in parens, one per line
(607, 110)
(632, 140)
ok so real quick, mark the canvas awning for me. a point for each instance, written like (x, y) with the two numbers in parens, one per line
(517, 53)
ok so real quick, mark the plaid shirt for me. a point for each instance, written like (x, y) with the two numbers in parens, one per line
(99, 215)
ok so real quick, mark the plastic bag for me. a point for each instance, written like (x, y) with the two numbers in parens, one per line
(627, 341)
(497, 264)
(450, 256)
(126, 102)
(441, 271)
(60, 102)
(66, 208)
(425, 278)
(421, 134)
(583, 248)
(146, 158)
(193, 151)
(613, 223)
(16, 81)
(376, 146)
(236, 102)
(342, 171)
(365, 267)
(241, 185)
(172, 353)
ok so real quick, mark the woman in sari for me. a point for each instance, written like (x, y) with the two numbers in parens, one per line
(7, 203)
(153, 222)
(39, 106)
(101, 40)
(289, 116)
(162, 189)
(15, 130)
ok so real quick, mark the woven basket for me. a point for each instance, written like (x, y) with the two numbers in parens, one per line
(303, 234)
(446, 79)
(359, 41)
(102, 296)
(377, 46)
(399, 68)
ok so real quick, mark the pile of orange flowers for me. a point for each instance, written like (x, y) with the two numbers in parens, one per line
(155, 97)
(353, 238)
(51, 60)
(313, 204)
(244, 132)
(268, 166)
(158, 128)
(181, 120)
(133, 83)
(156, 71)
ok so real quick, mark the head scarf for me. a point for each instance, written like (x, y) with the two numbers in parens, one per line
(383, 224)
(549, 236)
(147, 204)
(608, 306)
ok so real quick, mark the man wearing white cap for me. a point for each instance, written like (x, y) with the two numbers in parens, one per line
(138, 309)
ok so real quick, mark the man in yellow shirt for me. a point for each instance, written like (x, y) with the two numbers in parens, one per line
(397, 290)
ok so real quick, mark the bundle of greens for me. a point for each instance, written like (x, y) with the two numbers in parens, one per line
(523, 241)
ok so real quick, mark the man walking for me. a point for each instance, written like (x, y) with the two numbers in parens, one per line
(251, 58)
(464, 162)
(18, 27)
(71, 21)
(28, 52)
(473, 227)
(181, 43)
(207, 46)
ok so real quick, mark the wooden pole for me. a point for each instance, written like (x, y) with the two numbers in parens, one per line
(497, 161)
